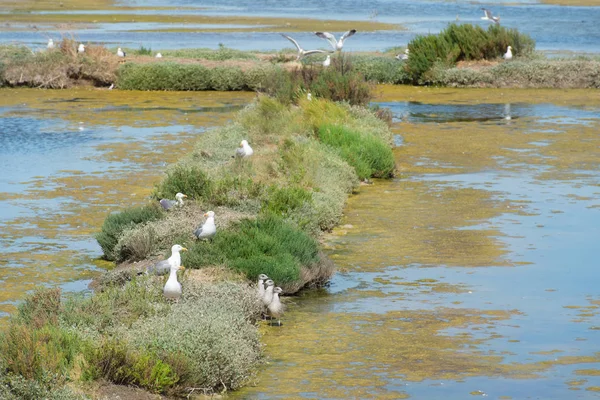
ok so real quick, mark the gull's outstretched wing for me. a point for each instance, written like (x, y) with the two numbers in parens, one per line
(348, 34)
(309, 52)
(487, 13)
(293, 41)
(330, 38)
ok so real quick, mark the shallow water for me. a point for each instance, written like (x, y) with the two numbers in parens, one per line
(473, 273)
(69, 158)
(555, 28)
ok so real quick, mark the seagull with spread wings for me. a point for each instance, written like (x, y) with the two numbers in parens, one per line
(301, 52)
(336, 44)
(487, 15)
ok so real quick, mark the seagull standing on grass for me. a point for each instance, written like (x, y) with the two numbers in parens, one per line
(301, 52)
(208, 230)
(327, 62)
(403, 57)
(158, 55)
(50, 43)
(336, 44)
(487, 15)
(121, 53)
(172, 289)
(81, 48)
(275, 307)
(168, 204)
(244, 151)
(163, 267)
(268, 296)
(508, 55)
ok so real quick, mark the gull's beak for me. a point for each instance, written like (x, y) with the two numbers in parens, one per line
(184, 195)
(241, 145)
(206, 214)
(184, 249)
(181, 267)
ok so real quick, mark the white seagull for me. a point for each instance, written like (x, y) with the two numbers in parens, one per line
(403, 57)
(336, 44)
(244, 151)
(487, 15)
(121, 53)
(168, 204)
(327, 62)
(172, 289)
(163, 267)
(50, 43)
(158, 55)
(268, 296)
(309, 97)
(208, 229)
(508, 55)
(261, 285)
(81, 48)
(301, 52)
(275, 307)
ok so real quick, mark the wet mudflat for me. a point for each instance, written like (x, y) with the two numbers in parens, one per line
(473, 273)
(69, 158)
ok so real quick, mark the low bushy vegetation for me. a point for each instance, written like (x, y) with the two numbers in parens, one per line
(221, 54)
(463, 42)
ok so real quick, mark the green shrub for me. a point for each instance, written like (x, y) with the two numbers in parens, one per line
(221, 54)
(116, 223)
(227, 78)
(425, 51)
(40, 308)
(381, 69)
(143, 51)
(259, 76)
(16, 387)
(369, 156)
(283, 200)
(190, 180)
(163, 76)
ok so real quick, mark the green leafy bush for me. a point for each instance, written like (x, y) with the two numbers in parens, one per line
(369, 156)
(381, 69)
(116, 223)
(283, 200)
(221, 54)
(189, 180)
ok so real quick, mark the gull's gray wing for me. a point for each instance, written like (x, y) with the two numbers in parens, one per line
(293, 41)
(160, 268)
(348, 34)
(198, 231)
(329, 37)
(166, 203)
(240, 152)
(487, 13)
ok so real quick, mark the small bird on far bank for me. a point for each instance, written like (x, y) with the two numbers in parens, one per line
(168, 204)
(121, 53)
(508, 55)
(336, 44)
(327, 62)
(50, 43)
(81, 48)
(487, 15)
(208, 230)
(158, 55)
(244, 151)
(275, 308)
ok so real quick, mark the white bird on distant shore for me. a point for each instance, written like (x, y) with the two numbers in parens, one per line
(208, 230)
(403, 57)
(508, 55)
(158, 55)
(121, 53)
(336, 44)
(301, 52)
(275, 307)
(487, 15)
(50, 43)
(327, 62)
(244, 151)
(81, 48)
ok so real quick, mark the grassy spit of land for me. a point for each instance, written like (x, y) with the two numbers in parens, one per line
(460, 56)
(270, 212)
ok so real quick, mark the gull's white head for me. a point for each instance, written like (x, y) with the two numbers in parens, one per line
(278, 290)
(509, 48)
(263, 277)
(81, 48)
(119, 49)
(50, 41)
(270, 283)
(209, 214)
(180, 196)
(244, 143)
(406, 51)
(176, 248)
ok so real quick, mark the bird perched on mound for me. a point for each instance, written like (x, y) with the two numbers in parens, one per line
(403, 57)
(163, 267)
(244, 151)
(336, 44)
(50, 43)
(508, 55)
(81, 48)
(172, 289)
(168, 204)
(208, 229)
(327, 62)
(275, 307)
(121, 53)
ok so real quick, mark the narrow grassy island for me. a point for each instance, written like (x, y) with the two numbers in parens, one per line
(309, 154)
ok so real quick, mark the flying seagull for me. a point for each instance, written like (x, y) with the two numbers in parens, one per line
(336, 44)
(301, 52)
(121, 53)
(488, 16)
